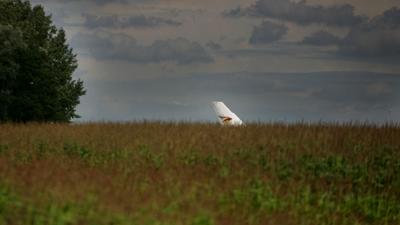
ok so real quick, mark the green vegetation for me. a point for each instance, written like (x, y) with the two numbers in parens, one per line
(36, 66)
(200, 174)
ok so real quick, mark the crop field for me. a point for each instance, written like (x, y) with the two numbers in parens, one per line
(199, 174)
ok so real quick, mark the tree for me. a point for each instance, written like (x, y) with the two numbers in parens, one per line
(36, 67)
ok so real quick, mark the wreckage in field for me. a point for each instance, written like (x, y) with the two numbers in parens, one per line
(225, 115)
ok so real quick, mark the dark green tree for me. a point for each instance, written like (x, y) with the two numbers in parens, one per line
(36, 67)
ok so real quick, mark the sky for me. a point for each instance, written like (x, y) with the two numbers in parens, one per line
(268, 60)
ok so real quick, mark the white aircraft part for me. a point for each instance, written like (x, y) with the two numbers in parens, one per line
(225, 115)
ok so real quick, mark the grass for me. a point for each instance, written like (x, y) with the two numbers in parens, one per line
(200, 174)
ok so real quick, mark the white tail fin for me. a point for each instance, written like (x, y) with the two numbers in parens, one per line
(225, 116)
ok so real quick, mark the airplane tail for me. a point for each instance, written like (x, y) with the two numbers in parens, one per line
(225, 115)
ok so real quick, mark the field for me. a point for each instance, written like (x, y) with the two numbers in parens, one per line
(199, 174)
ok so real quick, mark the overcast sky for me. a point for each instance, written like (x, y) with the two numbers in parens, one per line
(268, 60)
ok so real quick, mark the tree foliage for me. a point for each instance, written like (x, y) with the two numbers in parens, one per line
(36, 66)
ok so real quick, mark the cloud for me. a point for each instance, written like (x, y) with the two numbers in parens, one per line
(326, 96)
(300, 12)
(236, 12)
(214, 46)
(115, 21)
(105, 45)
(361, 91)
(103, 2)
(97, 2)
(267, 32)
(321, 38)
(379, 37)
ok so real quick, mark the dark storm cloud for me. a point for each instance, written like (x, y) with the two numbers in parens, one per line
(267, 32)
(321, 38)
(379, 37)
(105, 45)
(103, 2)
(97, 2)
(115, 21)
(301, 12)
(213, 45)
(236, 12)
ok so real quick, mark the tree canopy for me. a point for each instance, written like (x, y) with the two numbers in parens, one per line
(36, 66)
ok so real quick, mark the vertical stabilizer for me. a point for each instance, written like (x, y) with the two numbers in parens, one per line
(225, 115)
